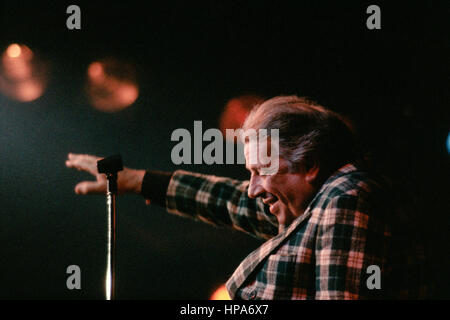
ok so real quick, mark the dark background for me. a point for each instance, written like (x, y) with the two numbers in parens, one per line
(191, 59)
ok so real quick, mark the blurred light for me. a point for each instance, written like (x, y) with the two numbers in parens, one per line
(111, 85)
(220, 294)
(236, 110)
(23, 77)
(14, 50)
(96, 72)
(448, 143)
(29, 90)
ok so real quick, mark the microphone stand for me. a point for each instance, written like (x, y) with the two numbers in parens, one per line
(110, 166)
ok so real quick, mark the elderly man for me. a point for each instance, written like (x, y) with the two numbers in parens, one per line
(331, 226)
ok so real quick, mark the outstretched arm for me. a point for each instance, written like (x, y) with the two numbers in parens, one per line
(215, 200)
(219, 201)
(128, 180)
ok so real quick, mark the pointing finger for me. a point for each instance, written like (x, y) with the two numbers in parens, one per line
(83, 162)
(89, 187)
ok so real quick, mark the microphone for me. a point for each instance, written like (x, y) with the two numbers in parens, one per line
(110, 166)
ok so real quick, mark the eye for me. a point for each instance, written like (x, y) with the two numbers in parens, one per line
(254, 172)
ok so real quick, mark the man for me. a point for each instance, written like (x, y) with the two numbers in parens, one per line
(331, 226)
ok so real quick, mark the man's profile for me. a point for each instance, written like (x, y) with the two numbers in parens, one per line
(325, 216)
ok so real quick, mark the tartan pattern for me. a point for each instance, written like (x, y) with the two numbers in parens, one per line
(220, 202)
(323, 254)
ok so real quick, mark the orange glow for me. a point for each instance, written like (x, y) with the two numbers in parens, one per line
(111, 85)
(127, 93)
(96, 72)
(22, 76)
(236, 110)
(14, 50)
(220, 294)
(29, 91)
(16, 62)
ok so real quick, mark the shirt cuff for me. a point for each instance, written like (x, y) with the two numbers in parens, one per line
(154, 186)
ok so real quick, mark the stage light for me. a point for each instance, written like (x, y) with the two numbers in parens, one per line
(236, 110)
(448, 143)
(96, 72)
(14, 50)
(23, 76)
(221, 293)
(111, 85)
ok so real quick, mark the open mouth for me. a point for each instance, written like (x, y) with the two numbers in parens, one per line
(270, 200)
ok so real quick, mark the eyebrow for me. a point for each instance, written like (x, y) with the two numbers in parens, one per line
(256, 167)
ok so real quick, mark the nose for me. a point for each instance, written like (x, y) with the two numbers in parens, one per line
(255, 187)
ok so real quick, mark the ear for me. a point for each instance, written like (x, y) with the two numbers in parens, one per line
(311, 173)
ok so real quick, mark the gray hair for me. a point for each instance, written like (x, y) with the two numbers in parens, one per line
(309, 134)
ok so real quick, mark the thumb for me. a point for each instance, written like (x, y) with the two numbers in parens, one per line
(89, 187)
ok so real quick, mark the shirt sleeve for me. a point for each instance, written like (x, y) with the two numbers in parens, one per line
(349, 240)
(219, 201)
(154, 186)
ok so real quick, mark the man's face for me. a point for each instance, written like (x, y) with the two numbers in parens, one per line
(286, 193)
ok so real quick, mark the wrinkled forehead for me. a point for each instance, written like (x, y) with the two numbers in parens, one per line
(252, 160)
(262, 149)
(251, 147)
(257, 151)
(256, 140)
(247, 151)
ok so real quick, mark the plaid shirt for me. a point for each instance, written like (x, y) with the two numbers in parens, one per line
(323, 254)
